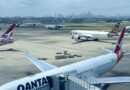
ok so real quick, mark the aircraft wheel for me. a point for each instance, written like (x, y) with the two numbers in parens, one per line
(103, 86)
(79, 37)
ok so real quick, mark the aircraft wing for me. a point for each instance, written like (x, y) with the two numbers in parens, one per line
(88, 35)
(108, 80)
(43, 66)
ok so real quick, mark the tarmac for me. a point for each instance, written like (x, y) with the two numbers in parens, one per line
(41, 43)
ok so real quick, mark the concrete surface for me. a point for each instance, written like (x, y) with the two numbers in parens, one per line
(41, 43)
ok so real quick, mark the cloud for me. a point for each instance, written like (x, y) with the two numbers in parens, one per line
(66, 7)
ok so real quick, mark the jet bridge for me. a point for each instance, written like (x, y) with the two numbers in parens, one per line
(69, 81)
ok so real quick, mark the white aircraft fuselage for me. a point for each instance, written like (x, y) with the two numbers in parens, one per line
(53, 27)
(77, 34)
(89, 34)
(91, 68)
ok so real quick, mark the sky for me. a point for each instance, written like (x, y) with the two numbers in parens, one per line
(39, 8)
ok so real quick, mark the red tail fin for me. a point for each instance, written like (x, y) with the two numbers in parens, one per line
(9, 32)
(115, 29)
(119, 43)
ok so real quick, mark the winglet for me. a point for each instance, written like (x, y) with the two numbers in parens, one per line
(43, 66)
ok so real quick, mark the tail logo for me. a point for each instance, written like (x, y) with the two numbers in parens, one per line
(117, 50)
(9, 32)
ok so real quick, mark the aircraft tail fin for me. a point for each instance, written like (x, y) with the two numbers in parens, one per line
(115, 28)
(119, 43)
(117, 49)
(9, 32)
(63, 23)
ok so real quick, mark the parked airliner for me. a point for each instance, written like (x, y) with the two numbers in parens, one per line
(54, 27)
(77, 34)
(7, 36)
(92, 68)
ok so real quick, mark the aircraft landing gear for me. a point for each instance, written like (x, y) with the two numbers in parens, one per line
(103, 86)
(79, 38)
(96, 39)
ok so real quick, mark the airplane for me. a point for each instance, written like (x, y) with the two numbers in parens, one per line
(77, 34)
(54, 27)
(127, 28)
(91, 68)
(7, 36)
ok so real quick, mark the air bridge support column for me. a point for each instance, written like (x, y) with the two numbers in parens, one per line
(58, 83)
(50, 81)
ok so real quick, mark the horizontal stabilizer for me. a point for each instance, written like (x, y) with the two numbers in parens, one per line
(43, 66)
(107, 50)
(109, 80)
(126, 54)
